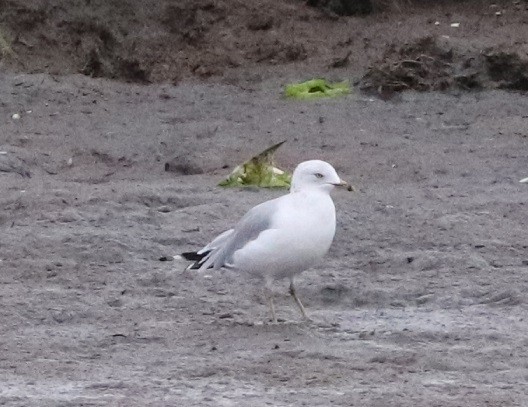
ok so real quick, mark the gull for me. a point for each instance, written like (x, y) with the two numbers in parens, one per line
(282, 237)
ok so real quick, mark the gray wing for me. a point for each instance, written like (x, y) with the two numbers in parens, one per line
(217, 242)
(249, 228)
(203, 254)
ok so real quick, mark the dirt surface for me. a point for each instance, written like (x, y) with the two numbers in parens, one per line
(238, 41)
(423, 298)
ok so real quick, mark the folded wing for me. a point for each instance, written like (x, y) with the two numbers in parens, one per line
(219, 253)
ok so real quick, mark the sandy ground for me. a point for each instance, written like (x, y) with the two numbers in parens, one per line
(422, 301)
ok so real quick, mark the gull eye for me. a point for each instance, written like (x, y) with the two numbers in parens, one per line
(318, 175)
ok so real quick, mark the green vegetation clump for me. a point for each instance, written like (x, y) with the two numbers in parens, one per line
(316, 88)
(259, 171)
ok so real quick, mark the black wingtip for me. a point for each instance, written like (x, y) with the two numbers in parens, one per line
(192, 256)
(197, 258)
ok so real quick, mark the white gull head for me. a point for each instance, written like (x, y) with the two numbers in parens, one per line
(315, 174)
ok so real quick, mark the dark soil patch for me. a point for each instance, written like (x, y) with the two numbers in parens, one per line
(423, 65)
(165, 41)
(430, 64)
(508, 70)
(151, 41)
(344, 7)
